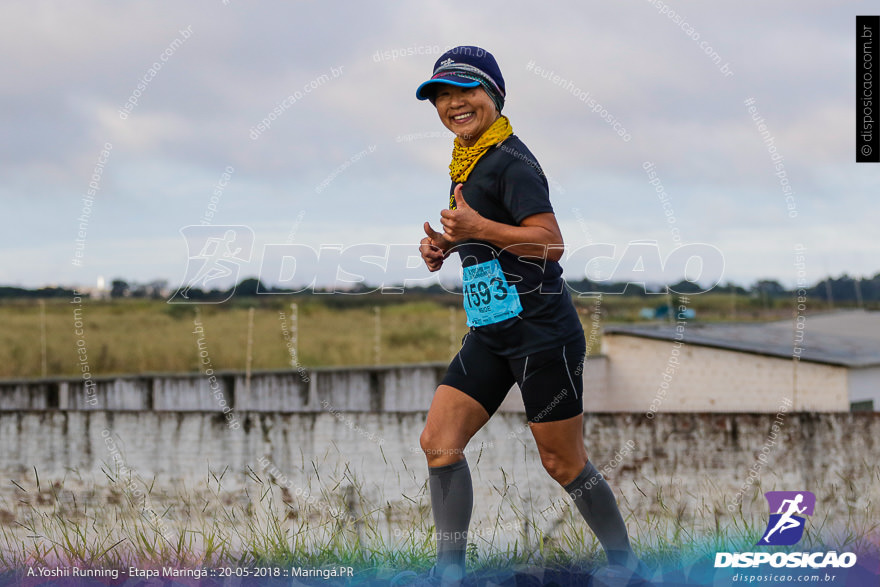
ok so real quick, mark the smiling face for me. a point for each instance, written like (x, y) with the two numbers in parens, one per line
(467, 112)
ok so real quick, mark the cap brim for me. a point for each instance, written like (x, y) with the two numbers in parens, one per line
(452, 80)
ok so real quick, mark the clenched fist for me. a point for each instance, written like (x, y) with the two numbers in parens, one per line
(462, 223)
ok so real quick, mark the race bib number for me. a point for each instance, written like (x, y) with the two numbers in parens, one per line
(487, 296)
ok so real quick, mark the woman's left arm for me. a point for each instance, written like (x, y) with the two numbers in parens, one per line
(537, 236)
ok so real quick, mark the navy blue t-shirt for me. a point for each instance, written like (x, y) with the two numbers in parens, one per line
(507, 185)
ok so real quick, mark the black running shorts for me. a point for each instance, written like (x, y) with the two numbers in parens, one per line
(551, 381)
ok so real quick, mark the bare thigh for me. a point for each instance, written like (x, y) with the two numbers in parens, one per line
(453, 418)
(561, 446)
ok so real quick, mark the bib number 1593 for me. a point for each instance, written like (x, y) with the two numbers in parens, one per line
(488, 298)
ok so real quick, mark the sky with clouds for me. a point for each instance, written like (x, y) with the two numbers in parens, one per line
(351, 157)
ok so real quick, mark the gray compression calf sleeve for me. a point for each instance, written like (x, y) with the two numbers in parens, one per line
(597, 505)
(452, 500)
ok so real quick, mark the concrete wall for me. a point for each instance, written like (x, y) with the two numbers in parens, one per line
(705, 458)
(645, 372)
(863, 385)
(403, 388)
(390, 388)
(359, 428)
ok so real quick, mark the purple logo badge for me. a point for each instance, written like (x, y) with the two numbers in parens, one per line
(786, 524)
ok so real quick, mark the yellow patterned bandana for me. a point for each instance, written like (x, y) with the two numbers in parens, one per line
(465, 158)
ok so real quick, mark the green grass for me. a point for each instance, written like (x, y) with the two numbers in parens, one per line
(138, 336)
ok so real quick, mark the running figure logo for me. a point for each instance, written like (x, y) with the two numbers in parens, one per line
(786, 526)
(215, 255)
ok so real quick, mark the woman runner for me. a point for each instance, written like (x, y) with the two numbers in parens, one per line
(524, 327)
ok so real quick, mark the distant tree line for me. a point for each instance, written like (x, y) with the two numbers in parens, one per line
(40, 293)
(844, 289)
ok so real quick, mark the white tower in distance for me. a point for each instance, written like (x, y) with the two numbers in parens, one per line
(101, 288)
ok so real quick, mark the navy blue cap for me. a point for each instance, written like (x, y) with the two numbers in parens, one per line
(467, 67)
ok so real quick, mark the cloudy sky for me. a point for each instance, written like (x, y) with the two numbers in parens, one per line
(351, 157)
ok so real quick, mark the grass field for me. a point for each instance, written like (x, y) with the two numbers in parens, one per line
(137, 335)
(260, 522)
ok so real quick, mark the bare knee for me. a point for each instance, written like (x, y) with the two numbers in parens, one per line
(553, 465)
(440, 449)
(562, 470)
(428, 440)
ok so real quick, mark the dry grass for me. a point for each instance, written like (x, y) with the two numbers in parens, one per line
(250, 518)
(138, 336)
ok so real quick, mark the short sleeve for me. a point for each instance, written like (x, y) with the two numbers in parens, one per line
(524, 189)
